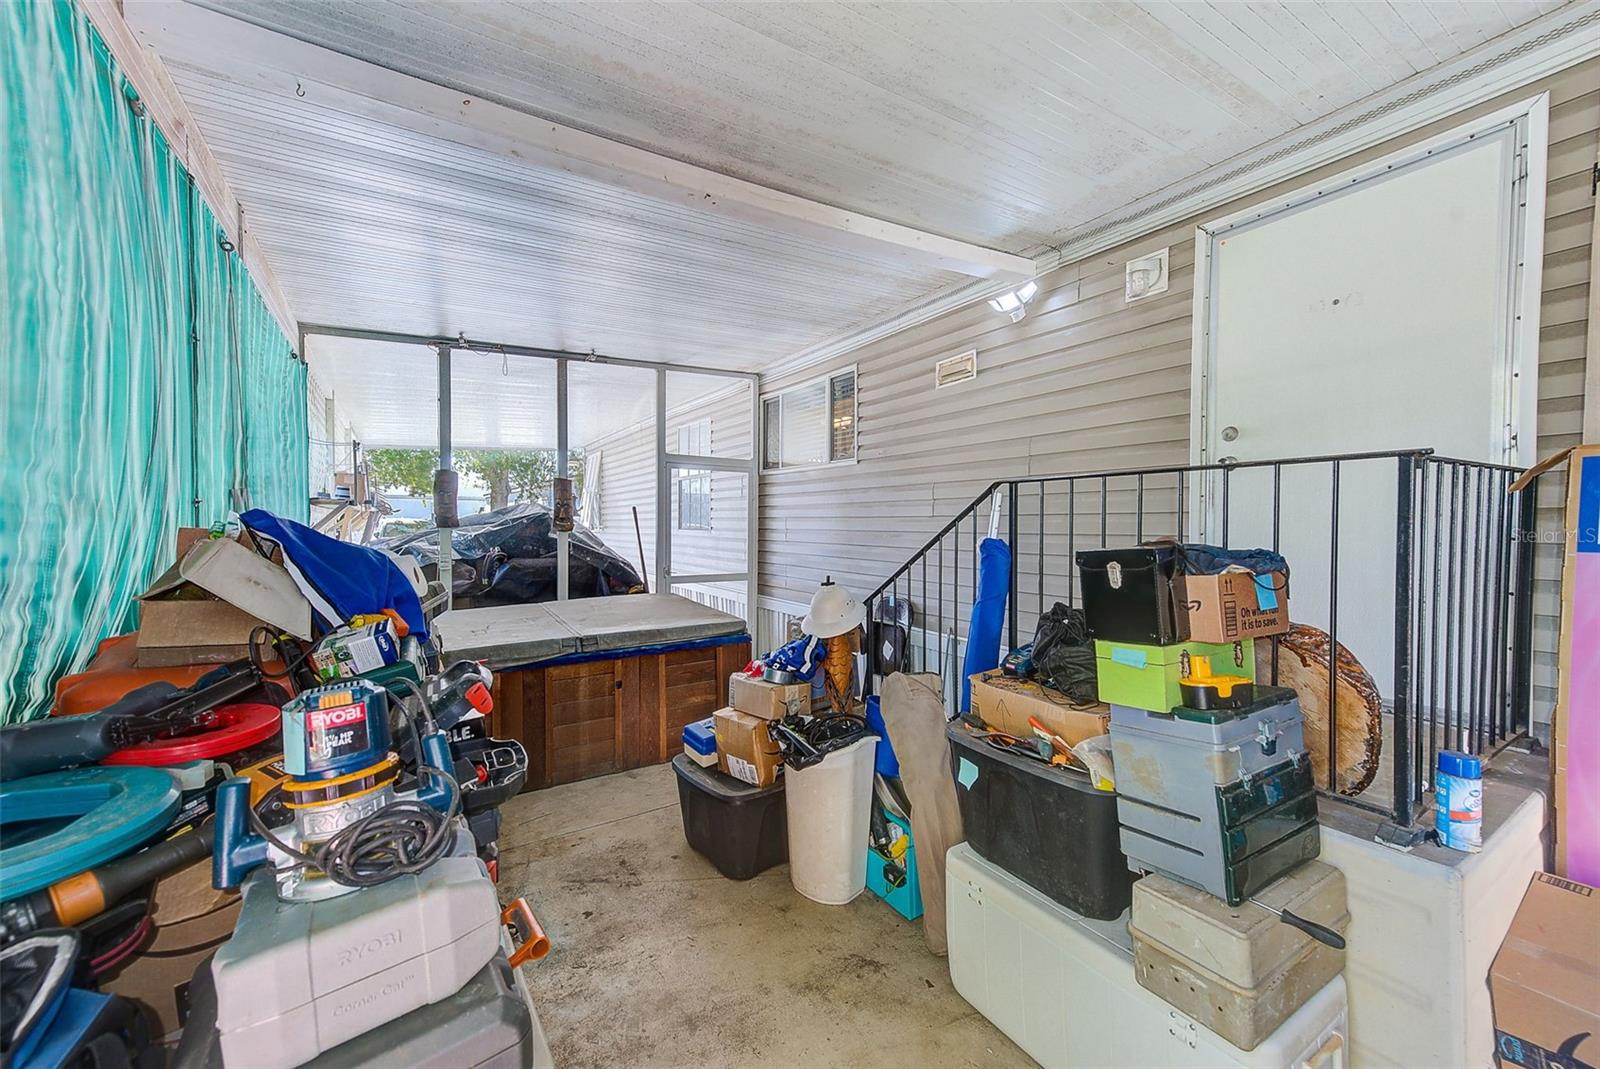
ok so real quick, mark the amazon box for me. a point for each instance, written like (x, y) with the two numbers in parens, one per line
(1231, 606)
(1545, 981)
(745, 749)
(1006, 702)
(769, 701)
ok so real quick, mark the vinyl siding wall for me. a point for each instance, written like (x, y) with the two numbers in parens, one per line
(1088, 383)
(628, 479)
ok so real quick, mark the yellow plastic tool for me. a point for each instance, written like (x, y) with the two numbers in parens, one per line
(1200, 676)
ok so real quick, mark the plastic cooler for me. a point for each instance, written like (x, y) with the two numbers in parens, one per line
(830, 813)
(741, 829)
(700, 742)
(1063, 988)
(1048, 826)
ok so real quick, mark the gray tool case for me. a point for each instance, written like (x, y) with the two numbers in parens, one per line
(300, 978)
(486, 1025)
(1221, 799)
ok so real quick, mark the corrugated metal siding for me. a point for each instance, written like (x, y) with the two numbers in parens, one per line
(1088, 383)
(996, 123)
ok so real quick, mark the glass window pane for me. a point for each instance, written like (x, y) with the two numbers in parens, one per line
(771, 447)
(611, 412)
(710, 521)
(842, 395)
(803, 428)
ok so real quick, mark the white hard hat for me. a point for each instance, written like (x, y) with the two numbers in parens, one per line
(834, 611)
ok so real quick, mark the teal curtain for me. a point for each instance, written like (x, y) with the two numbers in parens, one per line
(146, 386)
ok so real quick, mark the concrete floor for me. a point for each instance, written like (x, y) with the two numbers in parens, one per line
(657, 960)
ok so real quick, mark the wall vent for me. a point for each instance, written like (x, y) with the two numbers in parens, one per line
(954, 369)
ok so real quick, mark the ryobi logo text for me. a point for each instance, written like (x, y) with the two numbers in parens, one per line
(324, 719)
(387, 941)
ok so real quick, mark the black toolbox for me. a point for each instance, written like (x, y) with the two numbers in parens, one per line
(1047, 826)
(1134, 594)
(743, 830)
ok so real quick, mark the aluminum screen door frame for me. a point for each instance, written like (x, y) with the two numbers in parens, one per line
(663, 580)
(750, 468)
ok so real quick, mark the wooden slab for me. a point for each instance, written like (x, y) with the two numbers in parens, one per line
(1303, 667)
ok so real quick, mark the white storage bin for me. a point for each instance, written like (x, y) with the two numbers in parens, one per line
(1063, 987)
(829, 809)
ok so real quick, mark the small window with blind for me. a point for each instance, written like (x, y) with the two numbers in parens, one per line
(811, 424)
(694, 486)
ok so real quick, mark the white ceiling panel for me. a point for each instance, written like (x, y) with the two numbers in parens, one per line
(999, 124)
(385, 202)
(373, 226)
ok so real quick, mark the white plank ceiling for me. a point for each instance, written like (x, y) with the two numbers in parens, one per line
(1001, 125)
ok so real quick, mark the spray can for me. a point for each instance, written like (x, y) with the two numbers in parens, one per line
(1458, 801)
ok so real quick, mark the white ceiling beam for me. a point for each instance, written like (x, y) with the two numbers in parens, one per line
(167, 110)
(299, 72)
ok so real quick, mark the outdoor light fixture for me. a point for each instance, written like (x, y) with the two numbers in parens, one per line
(1015, 303)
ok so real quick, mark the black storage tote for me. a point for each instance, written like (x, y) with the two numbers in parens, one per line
(743, 830)
(1046, 826)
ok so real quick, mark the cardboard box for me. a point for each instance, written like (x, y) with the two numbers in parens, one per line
(192, 919)
(745, 750)
(188, 536)
(1236, 605)
(351, 651)
(203, 608)
(1574, 733)
(1005, 703)
(769, 701)
(1545, 980)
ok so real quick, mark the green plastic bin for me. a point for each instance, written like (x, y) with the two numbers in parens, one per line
(1146, 677)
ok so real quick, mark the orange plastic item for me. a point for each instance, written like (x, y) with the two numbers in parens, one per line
(532, 943)
(112, 674)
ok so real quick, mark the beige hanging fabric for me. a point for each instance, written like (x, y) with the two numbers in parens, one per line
(913, 711)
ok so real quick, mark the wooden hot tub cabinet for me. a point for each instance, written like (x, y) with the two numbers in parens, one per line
(583, 717)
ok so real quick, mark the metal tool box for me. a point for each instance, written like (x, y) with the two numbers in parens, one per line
(1220, 799)
(1238, 970)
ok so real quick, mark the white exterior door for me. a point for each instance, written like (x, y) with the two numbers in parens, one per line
(1384, 310)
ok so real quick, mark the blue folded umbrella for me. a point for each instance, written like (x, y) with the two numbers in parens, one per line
(988, 613)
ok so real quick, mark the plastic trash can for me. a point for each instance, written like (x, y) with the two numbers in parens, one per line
(829, 811)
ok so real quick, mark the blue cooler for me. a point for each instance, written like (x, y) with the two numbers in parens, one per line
(700, 742)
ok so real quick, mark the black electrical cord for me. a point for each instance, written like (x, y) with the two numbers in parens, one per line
(401, 839)
(254, 648)
(807, 740)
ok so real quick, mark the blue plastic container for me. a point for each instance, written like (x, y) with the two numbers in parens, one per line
(906, 899)
(701, 736)
(1458, 801)
(886, 763)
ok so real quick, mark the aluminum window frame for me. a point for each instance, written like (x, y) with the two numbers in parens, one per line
(825, 379)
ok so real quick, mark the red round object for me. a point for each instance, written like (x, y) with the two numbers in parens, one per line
(239, 727)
